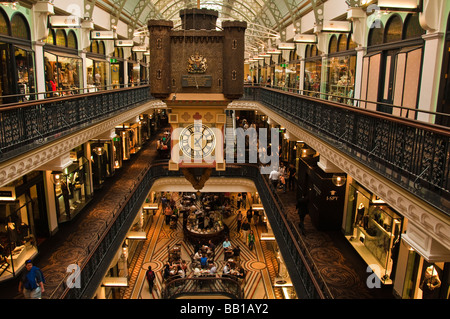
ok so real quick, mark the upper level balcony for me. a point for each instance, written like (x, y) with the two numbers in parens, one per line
(409, 152)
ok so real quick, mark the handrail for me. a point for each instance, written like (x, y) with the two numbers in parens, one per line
(412, 154)
(47, 100)
(25, 126)
(202, 285)
(297, 92)
(322, 289)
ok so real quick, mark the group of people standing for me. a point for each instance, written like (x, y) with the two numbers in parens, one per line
(282, 177)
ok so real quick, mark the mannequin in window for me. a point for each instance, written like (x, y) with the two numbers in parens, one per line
(430, 283)
(69, 74)
(394, 256)
(359, 214)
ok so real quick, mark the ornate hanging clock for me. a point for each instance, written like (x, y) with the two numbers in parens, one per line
(197, 141)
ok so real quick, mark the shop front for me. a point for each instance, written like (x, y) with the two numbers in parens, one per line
(97, 73)
(374, 230)
(72, 186)
(422, 279)
(323, 191)
(17, 80)
(62, 65)
(340, 69)
(131, 138)
(117, 68)
(23, 222)
(102, 160)
(313, 69)
(392, 67)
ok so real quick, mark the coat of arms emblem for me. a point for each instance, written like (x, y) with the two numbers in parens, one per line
(196, 64)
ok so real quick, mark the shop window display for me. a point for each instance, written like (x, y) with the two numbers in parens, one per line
(97, 74)
(17, 238)
(374, 231)
(16, 60)
(63, 74)
(340, 78)
(72, 189)
(313, 69)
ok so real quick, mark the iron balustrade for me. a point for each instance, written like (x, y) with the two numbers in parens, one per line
(25, 126)
(414, 155)
(304, 274)
(222, 286)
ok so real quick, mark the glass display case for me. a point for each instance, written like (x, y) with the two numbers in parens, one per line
(340, 78)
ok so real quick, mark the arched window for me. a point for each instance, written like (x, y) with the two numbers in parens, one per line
(394, 29)
(351, 44)
(101, 47)
(19, 27)
(333, 44)
(4, 23)
(376, 33)
(342, 43)
(308, 51)
(51, 37)
(72, 40)
(61, 39)
(412, 28)
(94, 46)
(314, 50)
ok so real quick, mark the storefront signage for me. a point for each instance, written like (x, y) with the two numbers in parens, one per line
(305, 38)
(139, 48)
(336, 26)
(124, 43)
(104, 35)
(113, 60)
(65, 21)
(196, 81)
(286, 46)
(332, 196)
(7, 193)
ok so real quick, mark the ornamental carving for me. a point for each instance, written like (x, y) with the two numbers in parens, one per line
(197, 64)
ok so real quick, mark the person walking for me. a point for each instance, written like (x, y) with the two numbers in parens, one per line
(31, 283)
(274, 176)
(150, 275)
(302, 210)
(292, 172)
(168, 214)
(238, 221)
(249, 215)
(245, 229)
(251, 240)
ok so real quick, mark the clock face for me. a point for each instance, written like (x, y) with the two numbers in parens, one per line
(197, 141)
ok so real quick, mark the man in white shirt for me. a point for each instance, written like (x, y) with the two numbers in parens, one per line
(274, 176)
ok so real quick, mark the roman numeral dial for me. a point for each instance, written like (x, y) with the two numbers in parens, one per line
(197, 141)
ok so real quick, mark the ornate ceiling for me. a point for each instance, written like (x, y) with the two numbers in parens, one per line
(266, 19)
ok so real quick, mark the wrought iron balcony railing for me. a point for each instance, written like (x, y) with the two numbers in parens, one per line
(413, 154)
(27, 125)
(221, 286)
